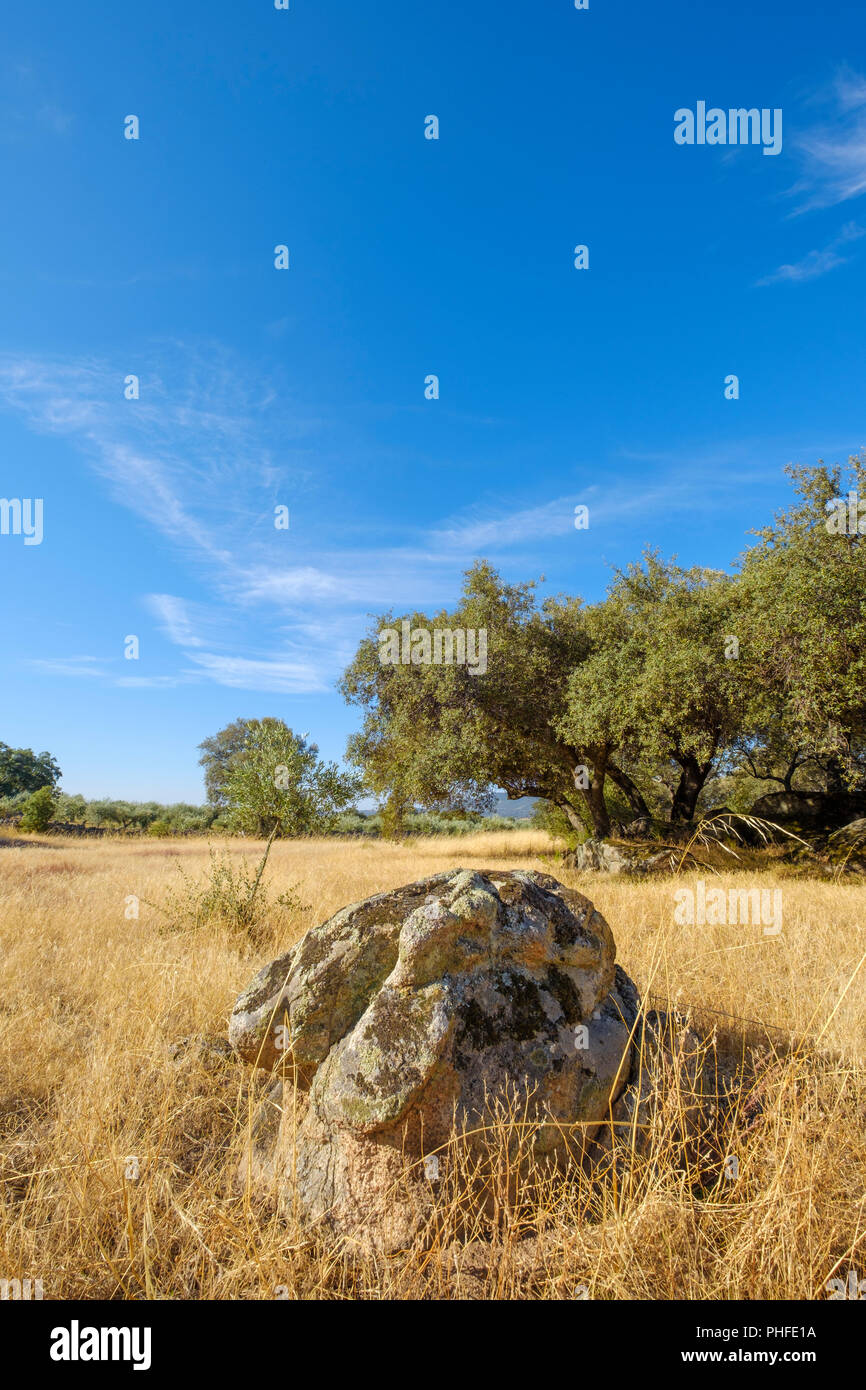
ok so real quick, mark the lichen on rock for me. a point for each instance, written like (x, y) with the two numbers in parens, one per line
(415, 1014)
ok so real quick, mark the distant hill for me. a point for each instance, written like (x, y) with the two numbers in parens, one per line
(521, 809)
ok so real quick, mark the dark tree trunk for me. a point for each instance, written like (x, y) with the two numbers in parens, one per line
(575, 820)
(693, 775)
(835, 773)
(630, 791)
(593, 795)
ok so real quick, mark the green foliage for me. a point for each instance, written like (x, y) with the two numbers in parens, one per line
(417, 823)
(127, 817)
(680, 689)
(546, 816)
(804, 589)
(72, 810)
(443, 737)
(392, 819)
(22, 770)
(657, 684)
(38, 810)
(217, 755)
(632, 707)
(233, 896)
(275, 780)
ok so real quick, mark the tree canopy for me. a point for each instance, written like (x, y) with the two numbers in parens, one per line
(804, 624)
(22, 770)
(445, 737)
(641, 703)
(271, 779)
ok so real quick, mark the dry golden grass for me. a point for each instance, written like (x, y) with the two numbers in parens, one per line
(92, 999)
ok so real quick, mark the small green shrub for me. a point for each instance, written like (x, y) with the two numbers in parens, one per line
(230, 895)
(39, 810)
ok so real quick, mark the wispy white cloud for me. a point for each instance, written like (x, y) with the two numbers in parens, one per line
(816, 263)
(54, 118)
(80, 401)
(173, 614)
(280, 674)
(277, 674)
(299, 584)
(833, 152)
(199, 463)
(674, 489)
(553, 518)
(348, 579)
(30, 104)
(193, 459)
(305, 667)
(813, 265)
(169, 682)
(87, 666)
(850, 89)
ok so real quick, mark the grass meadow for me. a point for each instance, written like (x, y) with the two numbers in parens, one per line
(119, 1158)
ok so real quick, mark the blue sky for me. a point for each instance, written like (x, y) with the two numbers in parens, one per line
(408, 257)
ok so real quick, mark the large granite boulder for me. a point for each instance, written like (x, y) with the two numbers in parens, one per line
(810, 809)
(598, 856)
(422, 1011)
(603, 857)
(851, 836)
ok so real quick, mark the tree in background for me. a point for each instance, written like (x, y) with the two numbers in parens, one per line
(679, 682)
(274, 779)
(119, 815)
(217, 753)
(663, 684)
(38, 810)
(443, 737)
(72, 809)
(22, 770)
(804, 628)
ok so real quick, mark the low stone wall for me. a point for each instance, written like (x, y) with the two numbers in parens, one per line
(58, 827)
(89, 831)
